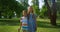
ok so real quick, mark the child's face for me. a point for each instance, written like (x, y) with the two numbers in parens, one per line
(24, 13)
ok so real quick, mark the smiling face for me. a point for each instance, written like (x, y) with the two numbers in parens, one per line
(24, 13)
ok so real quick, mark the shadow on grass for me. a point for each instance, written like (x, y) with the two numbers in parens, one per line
(45, 24)
(10, 22)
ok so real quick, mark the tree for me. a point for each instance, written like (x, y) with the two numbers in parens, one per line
(7, 7)
(52, 15)
(54, 10)
(36, 6)
(43, 11)
(58, 8)
(24, 3)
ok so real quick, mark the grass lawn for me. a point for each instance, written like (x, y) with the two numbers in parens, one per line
(43, 25)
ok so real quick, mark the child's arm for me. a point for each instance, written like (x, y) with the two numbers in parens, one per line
(20, 26)
(20, 23)
(36, 21)
(36, 24)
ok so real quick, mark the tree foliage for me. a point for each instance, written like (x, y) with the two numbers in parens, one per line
(36, 6)
(43, 11)
(7, 7)
(52, 12)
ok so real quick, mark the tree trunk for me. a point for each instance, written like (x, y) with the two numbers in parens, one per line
(0, 14)
(52, 15)
(48, 7)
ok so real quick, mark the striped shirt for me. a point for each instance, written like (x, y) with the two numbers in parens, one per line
(24, 21)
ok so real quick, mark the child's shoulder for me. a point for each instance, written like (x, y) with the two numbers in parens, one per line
(22, 17)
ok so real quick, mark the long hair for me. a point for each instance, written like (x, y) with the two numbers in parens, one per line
(28, 13)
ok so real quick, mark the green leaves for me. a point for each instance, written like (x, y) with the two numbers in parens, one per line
(7, 7)
(36, 6)
(43, 11)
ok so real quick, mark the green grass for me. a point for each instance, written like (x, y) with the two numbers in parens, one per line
(8, 28)
(43, 25)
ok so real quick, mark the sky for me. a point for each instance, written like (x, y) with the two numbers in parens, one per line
(41, 3)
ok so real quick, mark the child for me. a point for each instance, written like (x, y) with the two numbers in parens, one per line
(23, 22)
(32, 19)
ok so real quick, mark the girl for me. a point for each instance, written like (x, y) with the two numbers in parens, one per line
(32, 20)
(23, 22)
